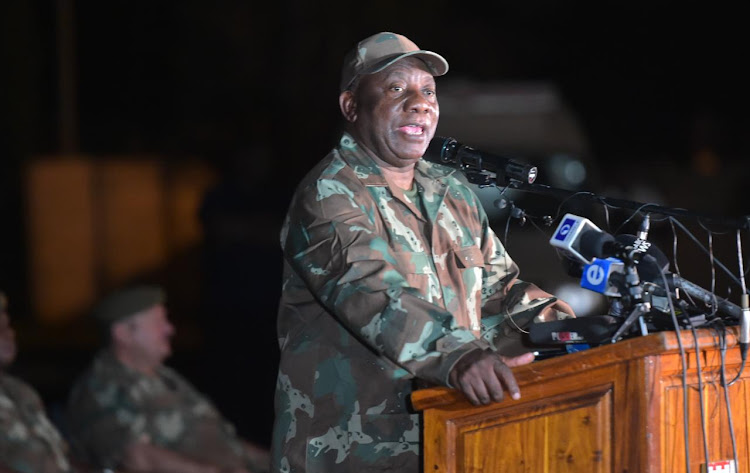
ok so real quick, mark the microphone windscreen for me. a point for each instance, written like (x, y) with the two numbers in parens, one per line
(592, 244)
(438, 150)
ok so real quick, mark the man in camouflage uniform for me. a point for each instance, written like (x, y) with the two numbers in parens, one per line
(29, 442)
(129, 410)
(390, 267)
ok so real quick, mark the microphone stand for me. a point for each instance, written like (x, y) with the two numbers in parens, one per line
(641, 299)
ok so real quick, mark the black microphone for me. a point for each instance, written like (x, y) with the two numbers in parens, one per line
(598, 244)
(707, 297)
(446, 150)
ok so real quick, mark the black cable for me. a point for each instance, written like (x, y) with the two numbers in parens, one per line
(683, 361)
(725, 387)
(606, 216)
(712, 262)
(631, 217)
(700, 390)
(700, 245)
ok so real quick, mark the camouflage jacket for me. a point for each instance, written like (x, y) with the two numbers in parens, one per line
(111, 406)
(29, 442)
(378, 291)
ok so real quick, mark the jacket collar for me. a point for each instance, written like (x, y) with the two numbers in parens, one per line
(369, 173)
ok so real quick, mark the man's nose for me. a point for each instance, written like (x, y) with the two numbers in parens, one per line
(418, 102)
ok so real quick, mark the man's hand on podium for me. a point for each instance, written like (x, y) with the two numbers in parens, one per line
(484, 375)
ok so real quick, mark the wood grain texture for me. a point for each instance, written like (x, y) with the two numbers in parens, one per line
(614, 408)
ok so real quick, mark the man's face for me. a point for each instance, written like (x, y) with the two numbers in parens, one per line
(7, 340)
(147, 336)
(396, 112)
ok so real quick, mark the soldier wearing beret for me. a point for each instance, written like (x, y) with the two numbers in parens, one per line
(391, 272)
(129, 411)
(29, 442)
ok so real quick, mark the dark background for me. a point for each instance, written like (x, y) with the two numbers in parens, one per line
(660, 90)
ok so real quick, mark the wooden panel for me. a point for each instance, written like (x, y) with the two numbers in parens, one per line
(130, 222)
(59, 219)
(547, 429)
(556, 436)
(95, 224)
(718, 437)
(185, 189)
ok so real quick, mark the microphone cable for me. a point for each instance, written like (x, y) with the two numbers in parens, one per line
(703, 248)
(700, 390)
(721, 333)
(683, 361)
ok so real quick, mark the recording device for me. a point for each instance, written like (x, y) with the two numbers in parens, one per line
(589, 330)
(476, 163)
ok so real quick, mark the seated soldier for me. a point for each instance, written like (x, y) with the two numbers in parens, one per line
(29, 442)
(130, 411)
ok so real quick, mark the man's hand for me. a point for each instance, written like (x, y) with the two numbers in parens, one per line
(483, 376)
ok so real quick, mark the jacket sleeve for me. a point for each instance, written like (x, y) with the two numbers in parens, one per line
(334, 243)
(509, 304)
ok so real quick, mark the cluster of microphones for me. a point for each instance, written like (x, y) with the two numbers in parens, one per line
(628, 269)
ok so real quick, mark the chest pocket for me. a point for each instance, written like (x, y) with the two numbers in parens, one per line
(411, 262)
(417, 268)
(469, 263)
(468, 257)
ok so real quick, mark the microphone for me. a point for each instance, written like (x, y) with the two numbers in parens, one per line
(607, 279)
(643, 230)
(605, 276)
(583, 241)
(569, 234)
(446, 150)
(707, 297)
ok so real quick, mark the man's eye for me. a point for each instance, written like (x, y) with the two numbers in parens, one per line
(429, 92)
(397, 88)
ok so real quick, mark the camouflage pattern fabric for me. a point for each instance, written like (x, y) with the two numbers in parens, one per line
(111, 406)
(29, 442)
(378, 292)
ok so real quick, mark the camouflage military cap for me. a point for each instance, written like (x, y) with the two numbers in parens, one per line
(126, 302)
(375, 53)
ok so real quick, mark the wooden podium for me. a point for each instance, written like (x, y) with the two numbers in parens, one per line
(613, 408)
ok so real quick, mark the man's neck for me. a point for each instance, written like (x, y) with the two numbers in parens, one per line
(135, 363)
(402, 177)
(399, 177)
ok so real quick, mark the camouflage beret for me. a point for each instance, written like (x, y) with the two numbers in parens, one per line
(126, 302)
(376, 52)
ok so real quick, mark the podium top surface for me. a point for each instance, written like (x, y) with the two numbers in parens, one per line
(655, 344)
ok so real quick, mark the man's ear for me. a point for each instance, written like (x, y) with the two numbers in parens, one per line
(348, 105)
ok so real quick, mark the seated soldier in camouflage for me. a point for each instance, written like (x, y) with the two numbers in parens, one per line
(130, 411)
(29, 442)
